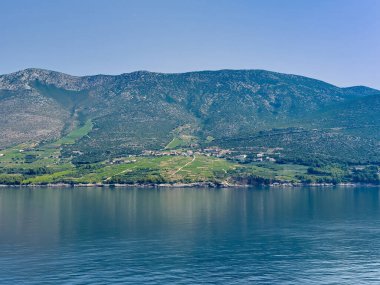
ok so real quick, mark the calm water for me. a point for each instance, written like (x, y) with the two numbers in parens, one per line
(190, 236)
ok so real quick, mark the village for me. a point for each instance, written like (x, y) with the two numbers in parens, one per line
(234, 155)
(246, 155)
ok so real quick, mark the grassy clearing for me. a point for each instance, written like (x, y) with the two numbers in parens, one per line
(175, 142)
(56, 177)
(76, 134)
(181, 141)
(168, 169)
(41, 163)
(205, 168)
(28, 156)
(284, 172)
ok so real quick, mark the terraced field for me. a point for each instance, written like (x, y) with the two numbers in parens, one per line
(31, 164)
(43, 163)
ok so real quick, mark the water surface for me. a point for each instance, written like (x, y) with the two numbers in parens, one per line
(190, 236)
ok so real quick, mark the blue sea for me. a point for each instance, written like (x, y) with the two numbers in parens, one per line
(190, 236)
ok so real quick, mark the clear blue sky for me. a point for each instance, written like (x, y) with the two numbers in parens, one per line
(334, 40)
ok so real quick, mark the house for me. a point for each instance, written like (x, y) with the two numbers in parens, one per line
(241, 157)
(117, 161)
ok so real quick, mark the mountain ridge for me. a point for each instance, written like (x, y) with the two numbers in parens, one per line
(48, 71)
(141, 110)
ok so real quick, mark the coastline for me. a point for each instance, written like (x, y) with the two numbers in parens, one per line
(191, 185)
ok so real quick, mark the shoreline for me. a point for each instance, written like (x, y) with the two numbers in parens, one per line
(191, 185)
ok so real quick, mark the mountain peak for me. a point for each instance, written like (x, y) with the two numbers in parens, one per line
(23, 79)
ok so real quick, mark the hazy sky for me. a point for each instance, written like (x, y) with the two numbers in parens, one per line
(337, 41)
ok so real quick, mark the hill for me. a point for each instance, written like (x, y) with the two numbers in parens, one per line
(144, 110)
(290, 118)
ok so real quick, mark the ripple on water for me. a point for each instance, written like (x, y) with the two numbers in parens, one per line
(97, 236)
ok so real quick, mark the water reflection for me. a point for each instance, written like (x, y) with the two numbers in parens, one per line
(190, 235)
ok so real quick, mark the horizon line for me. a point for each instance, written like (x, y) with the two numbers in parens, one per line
(185, 72)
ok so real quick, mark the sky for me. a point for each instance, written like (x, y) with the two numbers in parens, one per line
(337, 41)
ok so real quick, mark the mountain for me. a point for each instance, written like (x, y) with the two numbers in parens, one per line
(306, 118)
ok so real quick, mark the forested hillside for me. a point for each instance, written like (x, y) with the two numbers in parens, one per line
(244, 112)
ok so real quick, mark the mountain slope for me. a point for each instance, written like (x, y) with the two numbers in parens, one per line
(236, 108)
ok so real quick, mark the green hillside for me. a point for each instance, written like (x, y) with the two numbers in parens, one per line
(91, 120)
